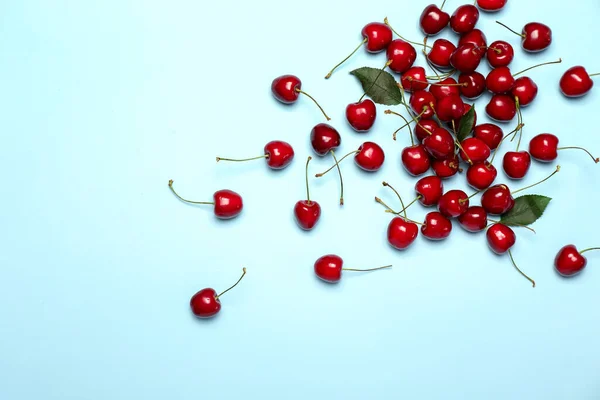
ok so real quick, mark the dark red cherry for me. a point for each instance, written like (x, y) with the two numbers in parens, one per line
(329, 268)
(279, 154)
(464, 18)
(501, 108)
(429, 190)
(544, 147)
(324, 138)
(440, 53)
(440, 145)
(286, 88)
(415, 160)
(474, 150)
(473, 84)
(500, 54)
(576, 82)
(378, 36)
(491, 5)
(205, 304)
(402, 55)
(433, 20)
(424, 128)
(536, 37)
(450, 107)
(361, 116)
(490, 134)
(453, 203)
(466, 58)
(525, 90)
(401, 233)
(423, 103)
(500, 80)
(475, 219)
(569, 261)
(307, 212)
(445, 88)
(227, 203)
(497, 200)
(370, 156)
(481, 175)
(516, 164)
(500, 238)
(447, 167)
(475, 37)
(414, 79)
(436, 226)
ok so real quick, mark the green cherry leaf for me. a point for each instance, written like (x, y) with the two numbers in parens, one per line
(527, 210)
(379, 85)
(467, 123)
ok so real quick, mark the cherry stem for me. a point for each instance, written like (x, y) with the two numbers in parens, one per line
(234, 285)
(387, 64)
(306, 176)
(337, 164)
(410, 79)
(407, 123)
(539, 65)
(442, 6)
(460, 145)
(513, 31)
(385, 21)
(513, 133)
(519, 225)
(399, 198)
(315, 101)
(542, 181)
(242, 159)
(520, 122)
(346, 59)
(408, 206)
(184, 200)
(333, 166)
(596, 160)
(590, 249)
(388, 209)
(366, 270)
(439, 77)
(596, 74)
(521, 272)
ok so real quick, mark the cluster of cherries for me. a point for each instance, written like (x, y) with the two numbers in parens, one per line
(439, 112)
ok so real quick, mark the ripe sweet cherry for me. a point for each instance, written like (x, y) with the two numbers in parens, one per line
(436, 226)
(576, 82)
(500, 54)
(415, 160)
(466, 58)
(475, 37)
(544, 147)
(473, 84)
(287, 89)
(535, 36)
(369, 157)
(279, 154)
(227, 203)
(324, 138)
(440, 53)
(475, 219)
(414, 79)
(361, 116)
(307, 212)
(447, 167)
(481, 175)
(569, 261)
(491, 5)
(329, 268)
(206, 303)
(490, 134)
(433, 20)
(464, 19)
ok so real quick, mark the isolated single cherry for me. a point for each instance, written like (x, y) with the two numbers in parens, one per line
(429, 190)
(491, 5)
(307, 212)
(524, 89)
(576, 82)
(424, 128)
(544, 147)
(206, 303)
(450, 108)
(415, 160)
(440, 144)
(279, 154)
(501, 238)
(433, 20)
(227, 203)
(490, 134)
(535, 36)
(466, 58)
(414, 79)
(516, 164)
(446, 168)
(453, 203)
(500, 54)
(500, 80)
(444, 88)
(440, 53)
(473, 84)
(324, 138)
(481, 175)
(436, 226)
(329, 268)
(401, 55)
(475, 219)
(464, 19)
(474, 150)
(361, 115)
(475, 37)
(401, 233)
(569, 261)
(497, 200)
(287, 89)
(502, 108)
(423, 104)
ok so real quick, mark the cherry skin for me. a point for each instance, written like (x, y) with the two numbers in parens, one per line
(475, 37)
(536, 37)
(423, 103)
(286, 88)
(474, 150)
(464, 18)
(361, 116)
(415, 160)
(544, 147)
(424, 128)
(307, 213)
(401, 233)
(433, 20)
(497, 200)
(450, 107)
(466, 58)
(414, 79)
(370, 156)
(474, 85)
(329, 268)
(205, 303)
(501, 108)
(436, 226)
(481, 175)
(500, 80)
(445, 88)
(440, 53)
(569, 261)
(402, 55)
(475, 219)
(279, 154)
(491, 5)
(446, 168)
(500, 238)
(516, 164)
(324, 138)
(576, 82)
(490, 134)
(500, 54)
(525, 90)
(378, 36)
(453, 203)
(440, 144)
(429, 190)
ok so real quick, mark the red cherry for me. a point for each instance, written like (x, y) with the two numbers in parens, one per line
(401, 55)
(466, 58)
(453, 203)
(440, 145)
(569, 261)
(473, 84)
(450, 107)
(429, 190)
(423, 104)
(464, 18)
(307, 212)
(500, 238)
(474, 150)
(446, 168)
(500, 54)
(501, 108)
(525, 90)
(287, 88)
(440, 53)
(415, 160)
(278, 154)
(481, 175)
(490, 134)
(424, 128)
(445, 88)
(500, 80)
(329, 268)
(535, 36)
(497, 200)
(361, 115)
(227, 203)
(436, 226)
(576, 82)
(544, 147)
(414, 79)
(206, 303)
(370, 156)
(324, 138)
(475, 37)
(516, 164)
(475, 219)
(401, 233)
(433, 20)
(491, 5)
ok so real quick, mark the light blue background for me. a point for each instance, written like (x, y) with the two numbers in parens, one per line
(103, 102)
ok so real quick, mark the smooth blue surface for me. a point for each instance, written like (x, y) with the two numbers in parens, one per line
(103, 102)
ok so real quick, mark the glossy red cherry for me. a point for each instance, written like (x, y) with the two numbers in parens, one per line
(415, 160)
(473, 84)
(475, 37)
(500, 80)
(424, 128)
(440, 53)
(423, 103)
(436, 226)
(500, 54)
(329, 268)
(433, 20)
(500, 238)
(227, 203)
(474, 150)
(324, 138)
(279, 154)
(429, 190)
(466, 58)
(535, 36)
(414, 79)
(206, 303)
(370, 156)
(445, 88)
(569, 261)
(361, 115)
(475, 219)
(401, 55)
(440, 145)
(497, 200)
(401, 233)
(491, 5)
(307, 212)
(490, 134)
(544, 147)
(287, 88)
(502, 108)
(464, 18)
(450, 107)
(516, 164)
(525, 90)
(576, 82)
(481, 175)
(453, 203)
(447, 167)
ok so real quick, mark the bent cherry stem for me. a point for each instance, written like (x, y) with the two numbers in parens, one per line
(538, 65)
(345, 59)
(234, 285)
(510, 29)
(407, 123)
(540, 182)
(391, 211)
(385, 21)
(399, 198)
(185, 200)
(596, 160)
(334, 165)
(590, 249)
(314, 101)
(306, 177)
(521, 272)
(341, 179)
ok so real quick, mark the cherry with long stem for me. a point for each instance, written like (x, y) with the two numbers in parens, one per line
(334, 165)
(538, 65)
(346, 59)
(540, 182)
(518, 269)
(185, 200)
(385, 21)
(231, 287)
(314, 101)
